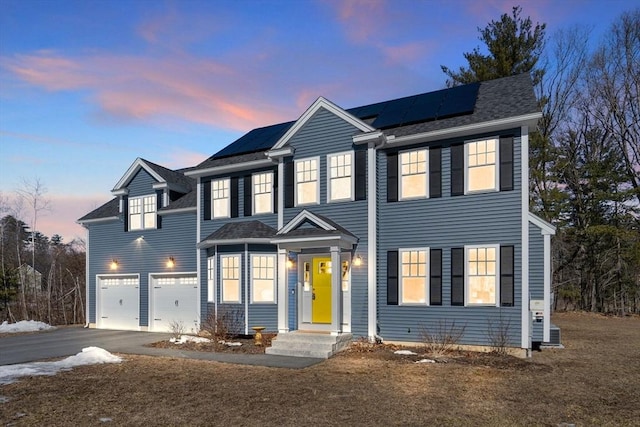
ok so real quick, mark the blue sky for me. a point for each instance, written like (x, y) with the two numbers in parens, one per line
(88, 86)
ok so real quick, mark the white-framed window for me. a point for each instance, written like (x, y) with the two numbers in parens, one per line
(340, 172)
(307, 188)
(414, 178)
(220, 198)
(230, 279)
(482, 275)
(211, 278)
(414, 273)
(262, 192)
(142, 212)
(263, 278)
(481, 162)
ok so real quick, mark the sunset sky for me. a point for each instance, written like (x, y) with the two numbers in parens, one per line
(88, 86)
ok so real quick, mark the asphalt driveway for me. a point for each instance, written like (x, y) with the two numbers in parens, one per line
(67, 341)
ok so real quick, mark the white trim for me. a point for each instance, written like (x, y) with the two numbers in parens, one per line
(351, 176)
(546, 331)
(224, 169)
(97, 220)
(143, 212)
(197, 249)
(529, 120)
(280, 193)
(301, 217)
(496, 165)
(280, 153)
(317, 105)
(120, 192)
(283, 294)
(372, 244)
(368, 137)
(466, 275)
(130, 173)
(295, 180)
(170, 186)
(426, 174)
(177, 211)
(545, 227)
(275, 278)
(246, 288)
(349, 241)
(525, 341)
(228, 198)
(211, 278)
(209, 243)
(86, 282)
(427, 258)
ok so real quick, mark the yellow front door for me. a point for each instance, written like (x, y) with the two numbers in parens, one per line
(321, 299)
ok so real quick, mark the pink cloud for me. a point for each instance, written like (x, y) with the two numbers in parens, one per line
(179, 158)
(184, 87)
(361, 18)
(406, 53)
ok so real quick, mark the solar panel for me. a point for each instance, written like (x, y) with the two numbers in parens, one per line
(459, 100)
(424, 108)
(256, 140)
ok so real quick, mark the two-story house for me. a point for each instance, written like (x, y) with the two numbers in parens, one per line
(393, 219)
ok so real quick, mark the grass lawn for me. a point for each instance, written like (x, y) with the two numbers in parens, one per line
(595, 381)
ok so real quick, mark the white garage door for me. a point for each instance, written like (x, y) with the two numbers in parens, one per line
(118, 302)
(174, 302)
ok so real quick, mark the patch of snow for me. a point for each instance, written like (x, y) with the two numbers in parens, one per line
(105, 420)
(229, 343)
(188, 338)
(426, 361)
(4, 399)
(23, 326)
(405, 352)
(88, 356)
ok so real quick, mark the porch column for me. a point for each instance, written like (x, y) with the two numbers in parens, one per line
(283, 293)
(336, 300)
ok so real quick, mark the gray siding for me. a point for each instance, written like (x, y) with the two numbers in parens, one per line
(445, 223)
(141, 184)
(536, 274)
(108, 241)
(326, 134)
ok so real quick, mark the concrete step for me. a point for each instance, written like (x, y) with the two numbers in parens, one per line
(308, 344)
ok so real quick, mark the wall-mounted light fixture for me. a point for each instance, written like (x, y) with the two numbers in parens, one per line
(290, 263)
(171, 262)
(114, 264)
(140, 239)
(357, 261)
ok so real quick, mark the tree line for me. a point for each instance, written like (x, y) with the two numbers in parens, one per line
(41, 278)
(585, 156)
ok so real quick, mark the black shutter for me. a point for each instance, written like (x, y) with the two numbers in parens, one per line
(506, 276)
(206, 188)
(457, 170)
(247, 195)
(289, 184)
(435, 277)
(234, 197)
(392, 278)
(125, 212)
(457, 276)
(275, 191)
(361, 175)
(159, 198)
(506, 163)
(435, 172)
(392, 177)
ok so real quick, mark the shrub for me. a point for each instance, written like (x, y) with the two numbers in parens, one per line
(442, 338)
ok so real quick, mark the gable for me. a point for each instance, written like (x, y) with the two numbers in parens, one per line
(141, 183)
(324, 104)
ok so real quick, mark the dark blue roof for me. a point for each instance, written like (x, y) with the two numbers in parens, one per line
(414, 109)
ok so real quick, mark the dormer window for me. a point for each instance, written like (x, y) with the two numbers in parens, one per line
(142, 212)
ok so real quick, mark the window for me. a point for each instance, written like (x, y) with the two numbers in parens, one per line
(481, 161)
(263, 278)
(413, 174)
(413, 276)
(230, 278)
(142, 212)
(482, 276)
(220, 198)
(262, 193)
(211, 276)
(340, 172)
(307, 190)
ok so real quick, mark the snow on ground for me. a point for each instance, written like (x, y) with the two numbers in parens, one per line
(88, 356)
(404, 352)
(23, 326)
(188, 338)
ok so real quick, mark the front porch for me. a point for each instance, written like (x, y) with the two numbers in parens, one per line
(308, 344)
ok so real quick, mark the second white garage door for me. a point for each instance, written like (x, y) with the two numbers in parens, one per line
(174, 301)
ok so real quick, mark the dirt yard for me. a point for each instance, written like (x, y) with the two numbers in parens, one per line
(594, 381)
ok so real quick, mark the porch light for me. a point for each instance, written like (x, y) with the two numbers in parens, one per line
(290, 263)
(114, 264)
(171, 262)
(357, 261)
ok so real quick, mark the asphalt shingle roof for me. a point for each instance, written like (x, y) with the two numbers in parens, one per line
(108, 210)
(242, 230)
